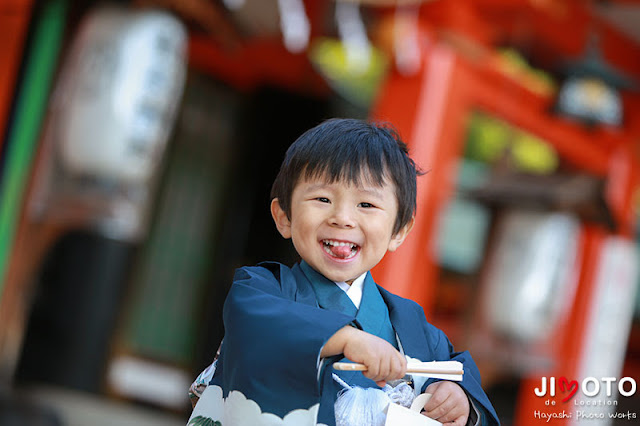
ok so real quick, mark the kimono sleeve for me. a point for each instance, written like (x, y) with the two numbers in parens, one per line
(272, 342)
(471, 384)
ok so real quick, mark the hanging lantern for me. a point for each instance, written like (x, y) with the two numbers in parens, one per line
(114, 107)
(590, 92)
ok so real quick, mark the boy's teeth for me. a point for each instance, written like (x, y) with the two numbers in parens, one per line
(340, 249)
(338, 243)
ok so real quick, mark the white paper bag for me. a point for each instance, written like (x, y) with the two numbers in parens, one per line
(398, 415)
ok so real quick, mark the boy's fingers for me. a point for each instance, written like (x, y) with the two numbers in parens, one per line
(443, 412)
(399, 369)
(383, 372)
(448, 403)
(387, 364)
(438, 396)
(450, 417)
(397, 366)
(460, 421)
(372, 370)
(394, 368)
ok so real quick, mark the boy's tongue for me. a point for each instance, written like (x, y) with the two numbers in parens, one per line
(341, 251)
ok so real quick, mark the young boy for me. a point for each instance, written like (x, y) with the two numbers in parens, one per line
(345, 195)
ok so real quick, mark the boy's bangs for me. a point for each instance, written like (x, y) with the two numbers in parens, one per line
(355, 168)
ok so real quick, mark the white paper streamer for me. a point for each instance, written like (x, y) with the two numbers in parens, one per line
(294, 25)
(354, 36)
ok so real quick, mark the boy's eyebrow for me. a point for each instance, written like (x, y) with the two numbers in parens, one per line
(315, 186)
(372, 192)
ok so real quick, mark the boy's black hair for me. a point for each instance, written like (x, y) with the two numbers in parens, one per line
(348, 149)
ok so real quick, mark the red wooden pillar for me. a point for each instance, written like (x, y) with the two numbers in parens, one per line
(14, 22)
(428, 109)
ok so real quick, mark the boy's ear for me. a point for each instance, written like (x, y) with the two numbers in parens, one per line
(280, 218)
(399, 237)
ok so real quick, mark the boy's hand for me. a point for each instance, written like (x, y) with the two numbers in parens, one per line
(383, 361)
(448, 403)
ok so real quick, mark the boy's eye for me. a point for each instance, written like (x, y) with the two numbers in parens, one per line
(322, 199)
(366, 205)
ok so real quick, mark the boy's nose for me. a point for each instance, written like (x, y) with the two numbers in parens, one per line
(342, 217)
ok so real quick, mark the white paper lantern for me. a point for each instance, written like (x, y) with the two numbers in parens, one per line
(123, 82)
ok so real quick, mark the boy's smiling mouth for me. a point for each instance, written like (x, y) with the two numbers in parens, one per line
(343, 250)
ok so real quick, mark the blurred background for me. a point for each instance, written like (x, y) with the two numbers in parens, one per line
(139, 140)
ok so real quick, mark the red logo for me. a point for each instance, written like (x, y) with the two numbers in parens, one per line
(568, 386)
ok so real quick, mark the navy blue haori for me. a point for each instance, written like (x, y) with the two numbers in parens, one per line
(277, 319)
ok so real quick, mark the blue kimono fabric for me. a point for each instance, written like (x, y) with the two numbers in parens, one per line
(276, 324)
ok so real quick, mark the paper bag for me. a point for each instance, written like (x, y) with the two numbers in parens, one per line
(398, 415)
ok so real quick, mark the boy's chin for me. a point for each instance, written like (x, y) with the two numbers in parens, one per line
(348, 278)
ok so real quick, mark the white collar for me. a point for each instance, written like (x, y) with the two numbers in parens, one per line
(354, 291)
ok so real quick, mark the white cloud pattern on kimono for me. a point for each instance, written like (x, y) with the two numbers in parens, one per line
(237, 410)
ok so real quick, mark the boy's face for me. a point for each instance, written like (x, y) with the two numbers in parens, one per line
(339, 229)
